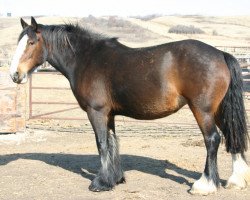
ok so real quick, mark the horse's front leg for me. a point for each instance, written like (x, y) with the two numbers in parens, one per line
(110, 172)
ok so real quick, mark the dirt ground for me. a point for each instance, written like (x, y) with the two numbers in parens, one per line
(47, 164)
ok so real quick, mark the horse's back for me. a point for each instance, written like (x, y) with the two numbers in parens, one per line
(158, 81)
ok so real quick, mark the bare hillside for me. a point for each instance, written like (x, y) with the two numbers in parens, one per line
(219, 31)
(138, 32)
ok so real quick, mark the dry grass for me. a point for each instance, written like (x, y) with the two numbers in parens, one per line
(140, 31)
(231, 31)
(118, 27)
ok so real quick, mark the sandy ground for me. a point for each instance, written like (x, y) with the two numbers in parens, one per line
(43, 164)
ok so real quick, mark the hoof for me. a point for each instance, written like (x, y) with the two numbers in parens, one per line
(236, 184)
(241, 173)
(97, 185)
(239, 180)
(203, 186)
(122, 180)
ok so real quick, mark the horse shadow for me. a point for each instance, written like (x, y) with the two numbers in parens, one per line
(88, 165)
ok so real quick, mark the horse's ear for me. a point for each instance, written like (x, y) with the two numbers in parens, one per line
(33, 23)
(23, 23)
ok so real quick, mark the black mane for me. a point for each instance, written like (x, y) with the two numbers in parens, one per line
(64, 30)
(71, 35)
(68, 35)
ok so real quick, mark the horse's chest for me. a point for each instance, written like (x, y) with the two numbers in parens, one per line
(92, 93)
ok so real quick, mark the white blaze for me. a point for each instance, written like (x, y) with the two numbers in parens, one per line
(18, 54)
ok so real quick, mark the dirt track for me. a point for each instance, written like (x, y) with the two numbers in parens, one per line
(57, 165)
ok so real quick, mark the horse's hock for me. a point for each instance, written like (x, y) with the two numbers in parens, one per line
(12, 104)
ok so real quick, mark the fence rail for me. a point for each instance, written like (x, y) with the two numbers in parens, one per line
(74, 105)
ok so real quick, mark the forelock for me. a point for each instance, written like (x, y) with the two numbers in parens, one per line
(27, 31)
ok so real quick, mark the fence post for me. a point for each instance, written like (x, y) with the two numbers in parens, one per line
(30, 97)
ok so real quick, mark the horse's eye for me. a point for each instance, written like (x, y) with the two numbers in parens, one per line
(31, 42)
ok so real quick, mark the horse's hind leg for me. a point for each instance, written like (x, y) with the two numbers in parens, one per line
(110, 173)
(209, 181)
(240, 177)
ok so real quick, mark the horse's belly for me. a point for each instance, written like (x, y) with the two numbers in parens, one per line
(154, 110)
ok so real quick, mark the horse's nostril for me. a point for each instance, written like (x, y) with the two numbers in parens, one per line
(15, 77)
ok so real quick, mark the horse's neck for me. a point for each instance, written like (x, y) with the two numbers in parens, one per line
(62, 62)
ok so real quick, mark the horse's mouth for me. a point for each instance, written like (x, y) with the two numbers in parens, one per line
(19, 79)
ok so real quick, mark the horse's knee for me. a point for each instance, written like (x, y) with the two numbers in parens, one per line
(213, 140)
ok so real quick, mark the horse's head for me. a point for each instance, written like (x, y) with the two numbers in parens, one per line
(30, 52)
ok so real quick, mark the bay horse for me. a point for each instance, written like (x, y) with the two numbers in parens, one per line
(109, 79)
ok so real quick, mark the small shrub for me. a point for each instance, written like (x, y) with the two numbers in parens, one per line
(181, 29)
(147, 17)
(215, 32)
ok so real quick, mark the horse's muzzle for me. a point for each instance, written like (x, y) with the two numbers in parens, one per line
(19, 78)
(15, 77)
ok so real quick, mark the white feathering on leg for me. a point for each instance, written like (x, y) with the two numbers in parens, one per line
(241, 173)
(203, 186)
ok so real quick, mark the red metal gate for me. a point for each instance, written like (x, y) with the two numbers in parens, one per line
(50, 114)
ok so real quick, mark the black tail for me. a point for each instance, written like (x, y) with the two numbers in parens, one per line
(234, 126)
